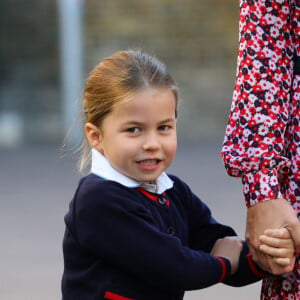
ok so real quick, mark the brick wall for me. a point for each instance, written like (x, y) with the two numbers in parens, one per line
(197, 40)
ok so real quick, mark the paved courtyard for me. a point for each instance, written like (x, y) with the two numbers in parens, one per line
(36, 185)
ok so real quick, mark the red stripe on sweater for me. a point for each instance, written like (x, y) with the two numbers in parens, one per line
(114, 296)
(223, 268)
(151, 196)
(253, 268)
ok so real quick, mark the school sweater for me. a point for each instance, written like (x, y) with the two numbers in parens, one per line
(128, 243)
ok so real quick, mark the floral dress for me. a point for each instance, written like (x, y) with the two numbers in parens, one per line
(262, 140)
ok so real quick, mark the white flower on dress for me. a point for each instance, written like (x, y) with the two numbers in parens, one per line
(293, 185)
(257, 64)
(259, 31)
(285, 10)
(272, 65)
(263, 129)
(280, 44)
(259, 118)
(269, 97)
(266, 85)
(274, 32)
(271, 19)
(277, 77)
(246, 132)
(268, 52)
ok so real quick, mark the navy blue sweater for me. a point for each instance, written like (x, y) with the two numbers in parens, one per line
(126, 243)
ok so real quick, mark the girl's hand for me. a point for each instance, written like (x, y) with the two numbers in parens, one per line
(229, 247)
(278, 244)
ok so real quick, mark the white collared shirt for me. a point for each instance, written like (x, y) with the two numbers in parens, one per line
(101, 167)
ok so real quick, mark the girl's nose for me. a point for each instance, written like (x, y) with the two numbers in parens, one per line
(151, 142)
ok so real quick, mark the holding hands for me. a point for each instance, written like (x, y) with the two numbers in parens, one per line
(273, 236)
(278, 245)
(272, 248)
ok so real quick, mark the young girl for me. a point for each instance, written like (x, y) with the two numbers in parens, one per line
(132, 231)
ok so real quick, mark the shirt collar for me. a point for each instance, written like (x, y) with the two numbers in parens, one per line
(101, 167)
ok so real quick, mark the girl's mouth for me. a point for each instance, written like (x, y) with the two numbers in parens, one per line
(149, 164)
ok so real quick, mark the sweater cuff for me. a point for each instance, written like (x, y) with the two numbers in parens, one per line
(226, 267)
(260, 186)
(255, 269)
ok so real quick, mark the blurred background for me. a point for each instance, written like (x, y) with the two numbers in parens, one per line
(47, 49)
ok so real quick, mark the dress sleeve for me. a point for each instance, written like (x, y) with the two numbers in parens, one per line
(254, 141)
(120, 231)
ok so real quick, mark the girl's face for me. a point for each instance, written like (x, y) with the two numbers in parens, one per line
(139, 136)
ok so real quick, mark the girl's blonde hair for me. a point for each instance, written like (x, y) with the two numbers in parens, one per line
(115, 79)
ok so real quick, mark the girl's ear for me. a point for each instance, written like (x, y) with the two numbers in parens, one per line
(93, 135)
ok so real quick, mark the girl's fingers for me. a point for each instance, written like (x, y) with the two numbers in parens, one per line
(281, 233)
(275, 242)
(283, 262)
(277, 252)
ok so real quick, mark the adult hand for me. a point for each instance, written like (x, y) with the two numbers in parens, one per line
(271, 214)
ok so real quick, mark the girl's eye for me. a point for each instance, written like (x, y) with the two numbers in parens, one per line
(133, 130)
(164, 127)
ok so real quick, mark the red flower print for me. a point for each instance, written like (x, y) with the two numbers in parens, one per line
(263, 132)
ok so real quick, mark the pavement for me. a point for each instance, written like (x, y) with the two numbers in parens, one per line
(36, 185)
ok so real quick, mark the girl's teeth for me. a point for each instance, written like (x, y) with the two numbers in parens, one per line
(148, 162)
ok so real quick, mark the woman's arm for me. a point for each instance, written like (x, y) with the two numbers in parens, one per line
(254, 142)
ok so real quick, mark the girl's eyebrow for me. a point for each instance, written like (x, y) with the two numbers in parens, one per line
(135, 122)
(167, 120)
